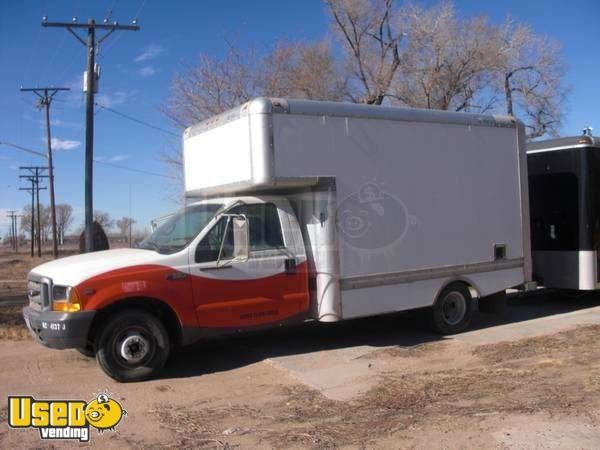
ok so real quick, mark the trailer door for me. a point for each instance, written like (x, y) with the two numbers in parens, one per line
(270, 286)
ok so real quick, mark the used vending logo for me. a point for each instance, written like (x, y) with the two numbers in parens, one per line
(64, 419)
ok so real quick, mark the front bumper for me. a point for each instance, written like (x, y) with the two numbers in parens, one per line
(59, 329)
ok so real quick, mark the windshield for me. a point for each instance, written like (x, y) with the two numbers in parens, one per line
(179, 230)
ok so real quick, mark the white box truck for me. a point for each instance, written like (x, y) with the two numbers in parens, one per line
(301, 210)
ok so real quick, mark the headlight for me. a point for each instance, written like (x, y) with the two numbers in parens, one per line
(65, 298)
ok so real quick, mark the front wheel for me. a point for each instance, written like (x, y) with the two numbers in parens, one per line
(452, 310)
(132, 346)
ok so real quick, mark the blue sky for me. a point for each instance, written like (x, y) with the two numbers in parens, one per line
(137, 68)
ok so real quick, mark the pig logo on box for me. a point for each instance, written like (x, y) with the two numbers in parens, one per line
(372, 219)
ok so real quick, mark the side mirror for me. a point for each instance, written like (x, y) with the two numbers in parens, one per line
(241, 238)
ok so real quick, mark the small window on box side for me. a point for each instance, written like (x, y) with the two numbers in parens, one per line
(499, 252)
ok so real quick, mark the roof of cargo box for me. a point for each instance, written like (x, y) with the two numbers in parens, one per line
(564, 143)
(263, 105)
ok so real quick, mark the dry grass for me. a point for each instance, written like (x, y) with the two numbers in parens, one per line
(521, 377)
(13, 273)
(543, 346)
(12, 325)
(15, 267)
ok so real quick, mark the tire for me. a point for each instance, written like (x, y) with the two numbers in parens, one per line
(452, 310)
(87, 351)
(133, 346)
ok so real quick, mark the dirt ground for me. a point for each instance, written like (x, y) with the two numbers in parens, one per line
(537, 392)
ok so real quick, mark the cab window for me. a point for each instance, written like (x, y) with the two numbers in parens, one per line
(265, 233)
(210, 245)
(265, 226)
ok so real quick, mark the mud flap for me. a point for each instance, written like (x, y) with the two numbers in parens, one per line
(493, 304)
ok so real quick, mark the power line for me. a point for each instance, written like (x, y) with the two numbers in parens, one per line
(139, 11)
(25, 149)
(141, 122)
(131, 169)
(135, 19)
(96, 160)
(92, 72)
(110, 10)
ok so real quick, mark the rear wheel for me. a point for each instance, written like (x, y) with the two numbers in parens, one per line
(452, 310)
(132, 346)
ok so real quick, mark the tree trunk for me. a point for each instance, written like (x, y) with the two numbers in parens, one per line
(508, 94)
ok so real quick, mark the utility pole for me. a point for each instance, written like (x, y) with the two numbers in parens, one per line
(130, 219)
(13, 229)
(46, 94)
(36, 173)
(32, 191)
(16, 218)
(90, 89)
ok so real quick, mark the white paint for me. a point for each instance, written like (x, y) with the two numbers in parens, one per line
(72, 270)
(587, 269)
(419, 294)
(564, 147)
(459, 185)
(218, 156)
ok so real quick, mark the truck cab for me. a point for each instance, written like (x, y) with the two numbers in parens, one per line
(214, 267)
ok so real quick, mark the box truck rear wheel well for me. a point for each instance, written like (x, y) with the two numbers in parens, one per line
(473, 289)
(156, 307)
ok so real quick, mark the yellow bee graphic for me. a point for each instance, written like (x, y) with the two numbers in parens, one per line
(104, 413)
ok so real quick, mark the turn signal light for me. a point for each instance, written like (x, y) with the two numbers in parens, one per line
(70, 304)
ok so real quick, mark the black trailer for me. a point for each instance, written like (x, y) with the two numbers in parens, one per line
(564, 193)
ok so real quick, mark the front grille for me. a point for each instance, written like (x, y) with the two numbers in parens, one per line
(38, 293)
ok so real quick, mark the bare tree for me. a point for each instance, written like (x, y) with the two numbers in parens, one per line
(64, 219)
(529, 72)
(25, 224)
(446, 61)
(370, 34)
(214, 85)
(124, 224)
(211, 86)
(301, 70)
(409, 55)
(103, 219)
(45, 222)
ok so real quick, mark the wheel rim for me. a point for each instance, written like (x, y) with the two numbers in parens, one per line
(454, 308)
(133, 347)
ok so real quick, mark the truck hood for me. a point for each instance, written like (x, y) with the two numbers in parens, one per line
(72, 270)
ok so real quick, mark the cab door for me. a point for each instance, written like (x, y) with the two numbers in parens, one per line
(270, 286)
